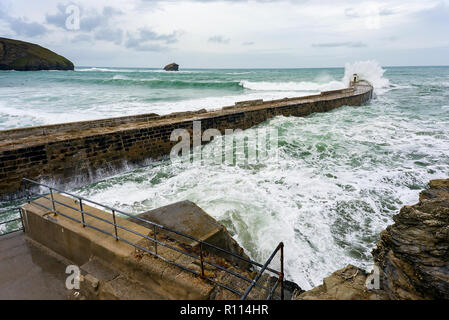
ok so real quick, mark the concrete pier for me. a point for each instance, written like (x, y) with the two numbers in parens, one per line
(79, 152)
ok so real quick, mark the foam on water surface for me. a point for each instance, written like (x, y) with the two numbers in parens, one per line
(339, 178)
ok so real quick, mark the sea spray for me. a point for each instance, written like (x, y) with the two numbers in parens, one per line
(370, 71)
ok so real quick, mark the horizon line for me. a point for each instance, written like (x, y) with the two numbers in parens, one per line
(262, 68)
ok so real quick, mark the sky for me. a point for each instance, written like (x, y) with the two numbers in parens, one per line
(233, 33)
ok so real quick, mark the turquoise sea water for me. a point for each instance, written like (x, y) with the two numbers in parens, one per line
(337, 182)
(92, 93)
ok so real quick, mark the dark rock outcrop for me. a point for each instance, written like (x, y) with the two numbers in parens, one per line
(413, 254)
(345, 284)
(171, 67)
(24, 56)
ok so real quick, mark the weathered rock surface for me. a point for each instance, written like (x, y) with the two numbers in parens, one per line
(171, 67)
(345, 284)
(24, 56)
(413, 254)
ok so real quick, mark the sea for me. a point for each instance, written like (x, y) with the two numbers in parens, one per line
(336, 182)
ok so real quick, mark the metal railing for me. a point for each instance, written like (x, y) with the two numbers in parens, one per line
(9, 222)
(29, 184)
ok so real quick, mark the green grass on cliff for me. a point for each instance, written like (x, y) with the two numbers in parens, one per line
(35, 54)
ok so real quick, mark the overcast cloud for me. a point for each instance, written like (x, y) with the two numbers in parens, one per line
(235, 33)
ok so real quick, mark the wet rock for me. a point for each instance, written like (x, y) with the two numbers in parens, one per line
(345, 284)
(438, 189)
(171, 67)
(413, 253)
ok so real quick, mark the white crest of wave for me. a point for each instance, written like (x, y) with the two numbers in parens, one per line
(95, 69)
(292, 86)
(100, 69)
(120, 77)
(369, 70)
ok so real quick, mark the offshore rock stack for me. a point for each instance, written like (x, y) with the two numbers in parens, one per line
(172, 67)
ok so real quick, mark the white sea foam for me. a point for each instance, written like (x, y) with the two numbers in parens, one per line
(394, 86)
(102, 70)
(19, 117)
(340, 177)
(328, 207)
(48, 108)
(367, 70)
(95, 69)
(121, 77)
(34, 114)
(370, 71)
(238, 73)
(292, 86)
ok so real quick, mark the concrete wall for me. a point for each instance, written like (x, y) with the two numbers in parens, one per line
(79, 245)
(62, 153)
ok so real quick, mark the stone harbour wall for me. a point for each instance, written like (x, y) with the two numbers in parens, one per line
(82, 151)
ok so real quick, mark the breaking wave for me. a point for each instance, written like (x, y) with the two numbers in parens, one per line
(367, 70)
(292, 86)
(370, 71)
(95, 69)
(123, 80)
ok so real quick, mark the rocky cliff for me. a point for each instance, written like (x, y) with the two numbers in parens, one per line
(348, 283)
(413, 253)
(172, 67)
(412, 256)
(25, 56)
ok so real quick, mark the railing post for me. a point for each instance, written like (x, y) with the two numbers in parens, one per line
(281, 276)
(27, 192)
(82, 212)
(261, 271)
(52, 201)
(155, 239)
(201, 259)
(115, 225)
(21, 219)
